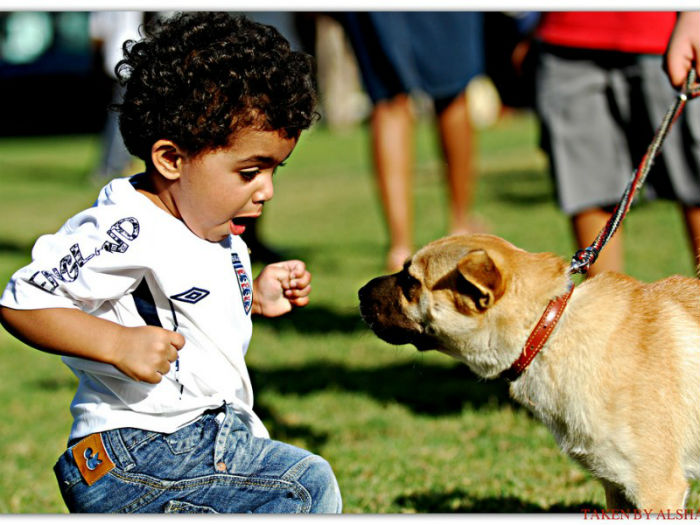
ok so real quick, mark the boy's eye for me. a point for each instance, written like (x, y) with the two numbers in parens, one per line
(249, 174)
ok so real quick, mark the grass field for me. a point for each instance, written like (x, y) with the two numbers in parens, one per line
(405, 432)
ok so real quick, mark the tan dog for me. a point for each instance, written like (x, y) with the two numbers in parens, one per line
(618, 380)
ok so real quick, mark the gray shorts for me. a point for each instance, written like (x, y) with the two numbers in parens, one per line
(599, 111)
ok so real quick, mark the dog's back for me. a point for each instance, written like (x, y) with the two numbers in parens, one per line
(639, 344)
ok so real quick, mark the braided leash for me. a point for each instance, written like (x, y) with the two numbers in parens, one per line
(583, 259)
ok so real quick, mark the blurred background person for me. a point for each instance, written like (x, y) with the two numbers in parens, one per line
(399, 53)
(509, 60)
(601, 94)
(108, 32)
(343, 101)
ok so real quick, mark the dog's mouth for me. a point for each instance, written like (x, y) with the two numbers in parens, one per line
(380, 310)
(398, 336)
(394, 334)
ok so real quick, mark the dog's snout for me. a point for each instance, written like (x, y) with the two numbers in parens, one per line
(381, 309)
(368, 288)
(369, 300)
(363, 293)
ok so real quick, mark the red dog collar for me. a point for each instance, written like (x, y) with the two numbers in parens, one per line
(543, 329)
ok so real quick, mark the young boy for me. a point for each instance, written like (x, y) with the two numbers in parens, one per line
(148, 295)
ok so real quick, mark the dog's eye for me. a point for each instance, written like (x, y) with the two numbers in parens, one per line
(409, 284)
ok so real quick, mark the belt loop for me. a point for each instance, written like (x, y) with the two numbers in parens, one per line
(221, 438)
(119, 450)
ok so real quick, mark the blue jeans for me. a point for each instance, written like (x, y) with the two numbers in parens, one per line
(213, 465)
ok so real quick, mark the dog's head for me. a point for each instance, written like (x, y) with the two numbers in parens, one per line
(463, 295)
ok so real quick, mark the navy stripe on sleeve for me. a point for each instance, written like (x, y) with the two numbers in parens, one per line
(146, 305)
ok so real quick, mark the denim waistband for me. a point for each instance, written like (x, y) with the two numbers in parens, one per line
(225, 426)
(118, 450)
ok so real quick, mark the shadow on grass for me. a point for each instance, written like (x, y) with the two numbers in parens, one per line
(56, 384)
(460, 501)
(313, 441)
(315, 319)
(14, 247)
(521, 187)
(426, 389)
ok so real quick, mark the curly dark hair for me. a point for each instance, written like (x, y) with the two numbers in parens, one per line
(197, 78)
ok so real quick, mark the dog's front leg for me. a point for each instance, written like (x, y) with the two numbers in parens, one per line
(664, 493)
(615, 497)
(654, 497)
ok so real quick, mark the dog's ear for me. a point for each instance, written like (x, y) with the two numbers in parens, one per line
(479, 282)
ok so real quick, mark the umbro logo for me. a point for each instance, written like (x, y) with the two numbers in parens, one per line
(192, 296)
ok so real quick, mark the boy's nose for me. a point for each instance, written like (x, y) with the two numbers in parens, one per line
(266, 190)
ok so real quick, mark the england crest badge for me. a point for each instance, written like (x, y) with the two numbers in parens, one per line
(244, 283)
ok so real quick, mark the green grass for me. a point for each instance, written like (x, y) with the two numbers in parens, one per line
(405, 432)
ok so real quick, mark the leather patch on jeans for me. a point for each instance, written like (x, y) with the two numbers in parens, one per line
(92, 458)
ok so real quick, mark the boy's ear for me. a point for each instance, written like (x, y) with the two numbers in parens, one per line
(166, 157)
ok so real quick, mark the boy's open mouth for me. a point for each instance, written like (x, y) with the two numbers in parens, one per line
(237, 225)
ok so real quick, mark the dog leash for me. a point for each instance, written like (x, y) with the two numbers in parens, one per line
(583, 259)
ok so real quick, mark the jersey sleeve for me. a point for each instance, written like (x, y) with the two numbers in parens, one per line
(93, 258)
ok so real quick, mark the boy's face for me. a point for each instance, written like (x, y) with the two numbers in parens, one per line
(217, 191)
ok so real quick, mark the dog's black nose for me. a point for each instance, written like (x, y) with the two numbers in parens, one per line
(363, 295)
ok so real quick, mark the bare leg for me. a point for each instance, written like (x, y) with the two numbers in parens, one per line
(587, 225)
(457, 145)
(392, 148)
(692, 222)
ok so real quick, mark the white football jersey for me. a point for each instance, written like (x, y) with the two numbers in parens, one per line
(128, 261)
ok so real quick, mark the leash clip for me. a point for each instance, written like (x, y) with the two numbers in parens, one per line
(582, 260)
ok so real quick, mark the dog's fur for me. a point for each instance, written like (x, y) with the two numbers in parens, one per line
(618, 382)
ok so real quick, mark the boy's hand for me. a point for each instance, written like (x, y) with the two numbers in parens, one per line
(280, 287)
(683, 48)
(144, 353)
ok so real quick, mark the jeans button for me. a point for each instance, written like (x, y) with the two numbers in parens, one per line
(221, 466)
